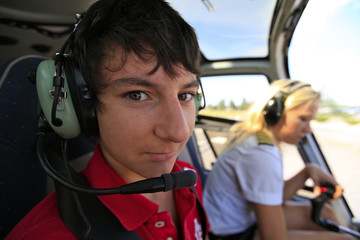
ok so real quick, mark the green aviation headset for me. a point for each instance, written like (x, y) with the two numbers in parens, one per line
(274, 108)
(73, 112)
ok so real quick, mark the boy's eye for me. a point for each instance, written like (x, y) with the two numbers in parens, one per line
(186, 96)
(136, 96)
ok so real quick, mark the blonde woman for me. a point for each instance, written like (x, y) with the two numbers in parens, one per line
(245, 195)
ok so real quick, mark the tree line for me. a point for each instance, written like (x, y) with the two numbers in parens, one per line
(222, 105)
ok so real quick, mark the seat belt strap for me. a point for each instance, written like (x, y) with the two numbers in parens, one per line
(84, 214)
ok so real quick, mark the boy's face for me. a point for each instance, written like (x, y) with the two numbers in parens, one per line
(144, 120)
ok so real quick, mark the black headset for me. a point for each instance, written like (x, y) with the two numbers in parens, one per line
(65, 99)
(274, 108)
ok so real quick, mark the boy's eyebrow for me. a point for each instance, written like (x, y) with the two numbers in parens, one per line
(193, 83)
(143, 82)
(131, 81)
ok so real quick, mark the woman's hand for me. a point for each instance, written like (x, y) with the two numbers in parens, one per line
(319, 176)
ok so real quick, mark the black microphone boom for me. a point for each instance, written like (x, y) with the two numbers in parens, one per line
(166, 182)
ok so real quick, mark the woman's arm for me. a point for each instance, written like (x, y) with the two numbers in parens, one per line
(312, 171)
(271, 221)
(295, 183)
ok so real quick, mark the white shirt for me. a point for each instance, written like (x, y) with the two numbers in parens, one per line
(247, 172)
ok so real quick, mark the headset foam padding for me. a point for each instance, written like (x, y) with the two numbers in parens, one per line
(82, 99)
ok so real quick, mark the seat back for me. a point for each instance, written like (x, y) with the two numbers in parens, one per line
(191, 154)
(22, 180)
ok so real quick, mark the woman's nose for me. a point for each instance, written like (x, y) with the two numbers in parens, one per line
(307, 128)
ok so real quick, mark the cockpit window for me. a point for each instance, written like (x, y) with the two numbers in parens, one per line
(230, 96)
(240, 27)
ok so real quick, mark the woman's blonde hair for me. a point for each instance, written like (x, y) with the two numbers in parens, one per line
(296, 93)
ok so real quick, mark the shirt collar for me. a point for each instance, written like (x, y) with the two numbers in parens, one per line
(125, 207)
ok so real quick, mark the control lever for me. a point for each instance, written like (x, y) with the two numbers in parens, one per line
(327, 193)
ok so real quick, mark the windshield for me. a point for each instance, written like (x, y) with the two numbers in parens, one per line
(241, 28)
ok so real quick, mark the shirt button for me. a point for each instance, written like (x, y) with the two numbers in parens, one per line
(160, 224)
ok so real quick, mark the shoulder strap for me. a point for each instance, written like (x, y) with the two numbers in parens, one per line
(84, 214)
(264, 138)
(88, 218)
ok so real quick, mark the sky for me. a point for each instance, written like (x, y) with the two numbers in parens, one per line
(325, 49)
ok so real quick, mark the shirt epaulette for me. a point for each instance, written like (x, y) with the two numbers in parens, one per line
(264, 138)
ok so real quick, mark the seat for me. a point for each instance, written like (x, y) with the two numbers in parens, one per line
(22, 180)
(191, 154)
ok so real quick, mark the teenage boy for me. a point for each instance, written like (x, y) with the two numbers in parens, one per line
(141, 61)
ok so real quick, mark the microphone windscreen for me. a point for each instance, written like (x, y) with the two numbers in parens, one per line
(187, 178)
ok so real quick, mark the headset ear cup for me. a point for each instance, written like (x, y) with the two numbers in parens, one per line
(82, 99)
(197, 100)
(275, 106)
(65, 111)
(274, 109)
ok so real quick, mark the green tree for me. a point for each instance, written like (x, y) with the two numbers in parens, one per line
(244, 105)
(221, 105)
(232, 105)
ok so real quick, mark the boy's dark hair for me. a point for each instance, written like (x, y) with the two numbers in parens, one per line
(149, 28)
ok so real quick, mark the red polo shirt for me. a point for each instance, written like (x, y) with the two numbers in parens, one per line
(134, 211)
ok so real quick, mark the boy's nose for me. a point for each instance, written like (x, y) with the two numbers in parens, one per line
(172, 123)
